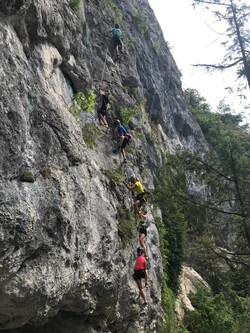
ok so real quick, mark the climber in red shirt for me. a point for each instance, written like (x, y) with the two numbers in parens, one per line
(140, 272)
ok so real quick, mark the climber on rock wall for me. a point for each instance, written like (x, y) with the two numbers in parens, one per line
(136, 186)
(117, 40)
(103, 111)
(142, 235)
(123, 140)
(140, 272)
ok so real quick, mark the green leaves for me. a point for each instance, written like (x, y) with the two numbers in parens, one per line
(128, 114)
(74, 5)
(212, 314)
(218, 220)
(84, 103)
(170, 183)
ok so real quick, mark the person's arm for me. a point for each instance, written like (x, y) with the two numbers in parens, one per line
(132, 187)
(120, 140)
(107, 106)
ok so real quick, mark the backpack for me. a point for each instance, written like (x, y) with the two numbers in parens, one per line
(116, 33)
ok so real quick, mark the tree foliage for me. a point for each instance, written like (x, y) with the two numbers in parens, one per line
(212, 314)
(171, 180)
(225, 168)
(217, 211)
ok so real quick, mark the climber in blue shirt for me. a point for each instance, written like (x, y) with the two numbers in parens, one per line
(117, 40)
(124, 138)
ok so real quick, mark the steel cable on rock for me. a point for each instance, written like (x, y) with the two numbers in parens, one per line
(104, 66)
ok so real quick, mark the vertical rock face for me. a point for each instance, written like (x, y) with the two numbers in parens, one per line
(63, 265)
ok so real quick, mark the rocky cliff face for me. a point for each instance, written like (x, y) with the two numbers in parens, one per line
(63, 265)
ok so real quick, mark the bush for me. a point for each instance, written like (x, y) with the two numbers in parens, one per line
(82, 103)
(170, 182)
(131, 90)
(157, 45)
(168, 299)
(127, 227)
(86, 103)
(90, 132)
(74, 5)
(114, 10)
(128, 114)
(142, 22)
(115, 176)
(212, 314)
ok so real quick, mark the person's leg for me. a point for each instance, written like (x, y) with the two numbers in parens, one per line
(122, 47)
(116, 49)
(136, 207)
(123, 154)
(142, 293)
(141, 214)
(99, 117)
(123, 145)
(142, 243)
(105, 120)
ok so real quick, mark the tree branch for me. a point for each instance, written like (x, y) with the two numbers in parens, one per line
(213, 3)
(208, 206)
(221, 67)
(220, 255)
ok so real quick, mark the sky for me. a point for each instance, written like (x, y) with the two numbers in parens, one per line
(191, 34)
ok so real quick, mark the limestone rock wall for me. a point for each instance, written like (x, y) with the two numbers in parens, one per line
(63, 265)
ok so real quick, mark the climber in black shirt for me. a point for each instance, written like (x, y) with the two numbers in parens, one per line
(142, 235)
(102, 112)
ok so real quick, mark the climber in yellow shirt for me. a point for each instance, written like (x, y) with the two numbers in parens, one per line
(136, 187)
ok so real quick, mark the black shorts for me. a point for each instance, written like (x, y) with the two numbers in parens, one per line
(103, 112)
(141, 198)
(143, 230)
(138, 275)
(117, 41)
(125, 142)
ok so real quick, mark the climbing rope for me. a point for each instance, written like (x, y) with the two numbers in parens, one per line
(104, 66)
(89, 201)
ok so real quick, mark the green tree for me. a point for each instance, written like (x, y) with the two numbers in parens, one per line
(225, 168)
(171, 180)
(216, 210)
(212, 314)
